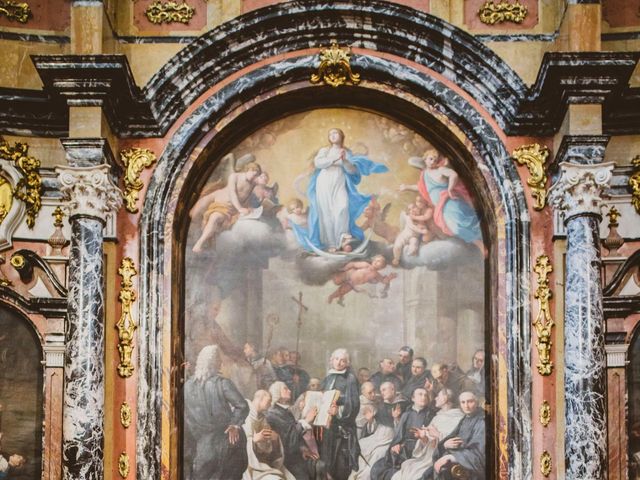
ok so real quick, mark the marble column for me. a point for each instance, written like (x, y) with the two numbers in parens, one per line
(91, 196)
(578, 194)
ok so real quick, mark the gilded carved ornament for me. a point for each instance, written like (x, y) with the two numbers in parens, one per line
(125, 415)
(29, 187)
(634, 183)
(19, 11)
(169, 12)
(135, 160)
(545, 463)
(543, 323)
(123, 465)
(534, 156)
(335, 67)
(503, 11)
(545, 414)
(126, 326)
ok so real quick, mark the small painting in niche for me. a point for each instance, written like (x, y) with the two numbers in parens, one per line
(20, 399)
(335, 308)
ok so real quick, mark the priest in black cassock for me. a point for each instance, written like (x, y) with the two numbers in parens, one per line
(339, 448)
(418, 415)
(419, 376)
(214, 411)
(464, 448)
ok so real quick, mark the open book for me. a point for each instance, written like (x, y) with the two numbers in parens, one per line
(322, 401)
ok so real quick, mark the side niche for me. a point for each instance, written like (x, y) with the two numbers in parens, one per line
(12, 210)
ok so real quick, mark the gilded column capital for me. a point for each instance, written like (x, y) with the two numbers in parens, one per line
(580, 189)
(89, 191)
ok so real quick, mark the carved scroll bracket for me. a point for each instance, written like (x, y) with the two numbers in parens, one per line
(126, 326)
(543, 323)
(492, 12)
(169, 12)
(335, 67)
(135, 160)
(534, 157)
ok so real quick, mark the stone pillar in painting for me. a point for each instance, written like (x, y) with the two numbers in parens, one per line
(91, 196)
(578, 194)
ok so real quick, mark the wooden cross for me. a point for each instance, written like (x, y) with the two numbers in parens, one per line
(301, 309)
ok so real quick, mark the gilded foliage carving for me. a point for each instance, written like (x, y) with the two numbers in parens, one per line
(335, 67)
(19, 11)
(534, 157)
(126, 326)
(543, 323)
(29, 187)
(502, 11)
(634, 183)
(169, 12)
(135, 160)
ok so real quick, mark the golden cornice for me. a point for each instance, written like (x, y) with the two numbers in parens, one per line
(492, 12)
(18, 11)
(543, 323)
(29, 187)
(335, 67)
(534, 156)
(135, 160)
(169, 12)
(126, 326)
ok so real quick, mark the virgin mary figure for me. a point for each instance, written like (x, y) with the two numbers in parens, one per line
(334, 201)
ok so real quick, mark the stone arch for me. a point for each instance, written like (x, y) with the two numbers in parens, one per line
(502, 193)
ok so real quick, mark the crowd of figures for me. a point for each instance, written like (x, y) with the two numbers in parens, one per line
(403, 422)
(11, 464)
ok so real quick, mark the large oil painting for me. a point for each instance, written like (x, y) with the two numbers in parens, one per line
(334, 313)
(21, 399)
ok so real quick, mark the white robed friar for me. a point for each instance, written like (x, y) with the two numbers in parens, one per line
(372, 448)
(445, 421)
(256, 469)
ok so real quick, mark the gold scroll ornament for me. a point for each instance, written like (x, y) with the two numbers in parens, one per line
(545, 414)
(545, 463)
(125, 415)
(634, 183)
(6, 197)
(126, 326)
(335, 67)
(29, 187)
(123, 465)
(544, 323)
(534, 156)
(169, 12)
(19, 11)
(135, 160)
(492, 12)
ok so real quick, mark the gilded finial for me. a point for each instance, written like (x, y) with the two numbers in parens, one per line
(57, 215)
(614, 214)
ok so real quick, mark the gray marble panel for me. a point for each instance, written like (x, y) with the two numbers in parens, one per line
(82, 431)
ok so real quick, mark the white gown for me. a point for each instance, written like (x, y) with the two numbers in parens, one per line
(332, 198)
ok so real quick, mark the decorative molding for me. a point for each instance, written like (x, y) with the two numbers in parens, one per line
(126, 326)
(18, 11)
(545, 414)
(89, 191)
(492, 13)
(534, 157)
(580, 189)
(125, 415)
(29, 187)
(123, 465)
(335, 67)
(169, 12)
(54, 351)
(616, 355)
(135, 160)
(545, 463)
(634, 183)
(543, 323)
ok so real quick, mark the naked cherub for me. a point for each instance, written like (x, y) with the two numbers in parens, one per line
(354, 274)
(415, 228)
(222, 207)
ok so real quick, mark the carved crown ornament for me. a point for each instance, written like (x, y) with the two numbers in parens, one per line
(534, 157)
(580, 190)
(19, 11)
(135, 160)
(169, 12)
(89, 191)
(335, 67)
(502, 11)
